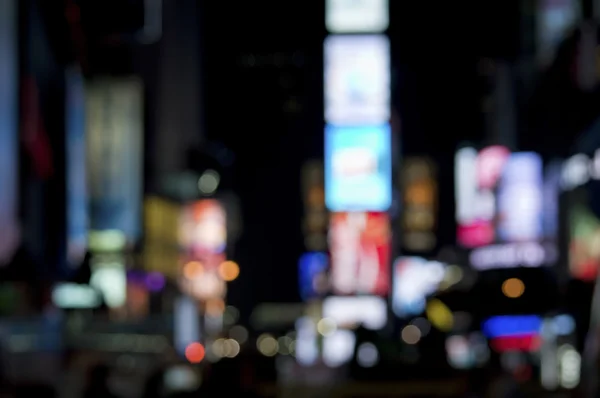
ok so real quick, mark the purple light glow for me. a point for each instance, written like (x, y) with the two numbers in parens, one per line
(155, 281)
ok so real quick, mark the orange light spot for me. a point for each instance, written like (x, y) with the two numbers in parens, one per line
(215, 307)
(194, 352)
(229, 270)
(513, 288)
(193, 269)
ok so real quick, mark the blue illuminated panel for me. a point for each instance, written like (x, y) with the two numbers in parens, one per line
(77, 214)
(511, 325)
(310, 266)
(358, 168)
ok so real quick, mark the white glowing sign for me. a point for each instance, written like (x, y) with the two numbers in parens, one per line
(510, 255)
(356, 16)
(357, 80)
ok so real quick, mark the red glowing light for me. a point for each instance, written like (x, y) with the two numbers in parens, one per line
(530, 342)
(194, 352)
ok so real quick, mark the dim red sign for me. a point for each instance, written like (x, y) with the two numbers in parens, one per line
(360, 253)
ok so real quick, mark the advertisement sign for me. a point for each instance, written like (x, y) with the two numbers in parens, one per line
(419, 192)
(203, 239)
(312, 276)
(357, 79)
(500, 208)
(348, 312)
(360, 253)
(161, 236)
(584, 236)
(356, 16)
(358, 164)
(8, 130)
(415, 279)
(186, 323)
(316, 218)
(114, 141)
(203, 228)
(77, 200)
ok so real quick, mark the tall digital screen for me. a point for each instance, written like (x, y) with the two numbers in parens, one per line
(357, 79)
(161, 236)
(8, 129)
(584, 236)
(501, 210)
(358, 168)
(77, 201)
(114, 115)
(419, 212)
(356, 16)
(360, 253)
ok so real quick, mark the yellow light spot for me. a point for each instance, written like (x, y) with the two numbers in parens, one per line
(513, 288)
(439, 315)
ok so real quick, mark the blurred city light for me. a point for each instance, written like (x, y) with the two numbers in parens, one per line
(194, 353)
(513, 288)
(267, 345)
(229, 270)
(439, 315)
(411, 334)
(193, 269)
(209, 182)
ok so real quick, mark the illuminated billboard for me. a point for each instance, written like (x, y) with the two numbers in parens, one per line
(316, 220)
(501, 210)
(419, 194)
(203, 228)
(415, 279)
(358, 168)
(349, 312)
(114, 115)
(357, 79)
(202, 241)
(583, 227)
(360, 253)
(312, 274)
(76, 181)
(356, 16)
(161, 236)
(8, 130)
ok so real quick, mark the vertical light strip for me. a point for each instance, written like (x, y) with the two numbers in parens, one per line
(8, 130)
(77, 214)
(358, 142)
(114, 143)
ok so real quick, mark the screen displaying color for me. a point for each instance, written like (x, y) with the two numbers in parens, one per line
(356, 16)
(114, 116)
(8, 130)
(77, 201)
(358, 168)
(357, 79)
(499, 196)
(584, 236)
(415, 279)
(360, 253)
(312, 277)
